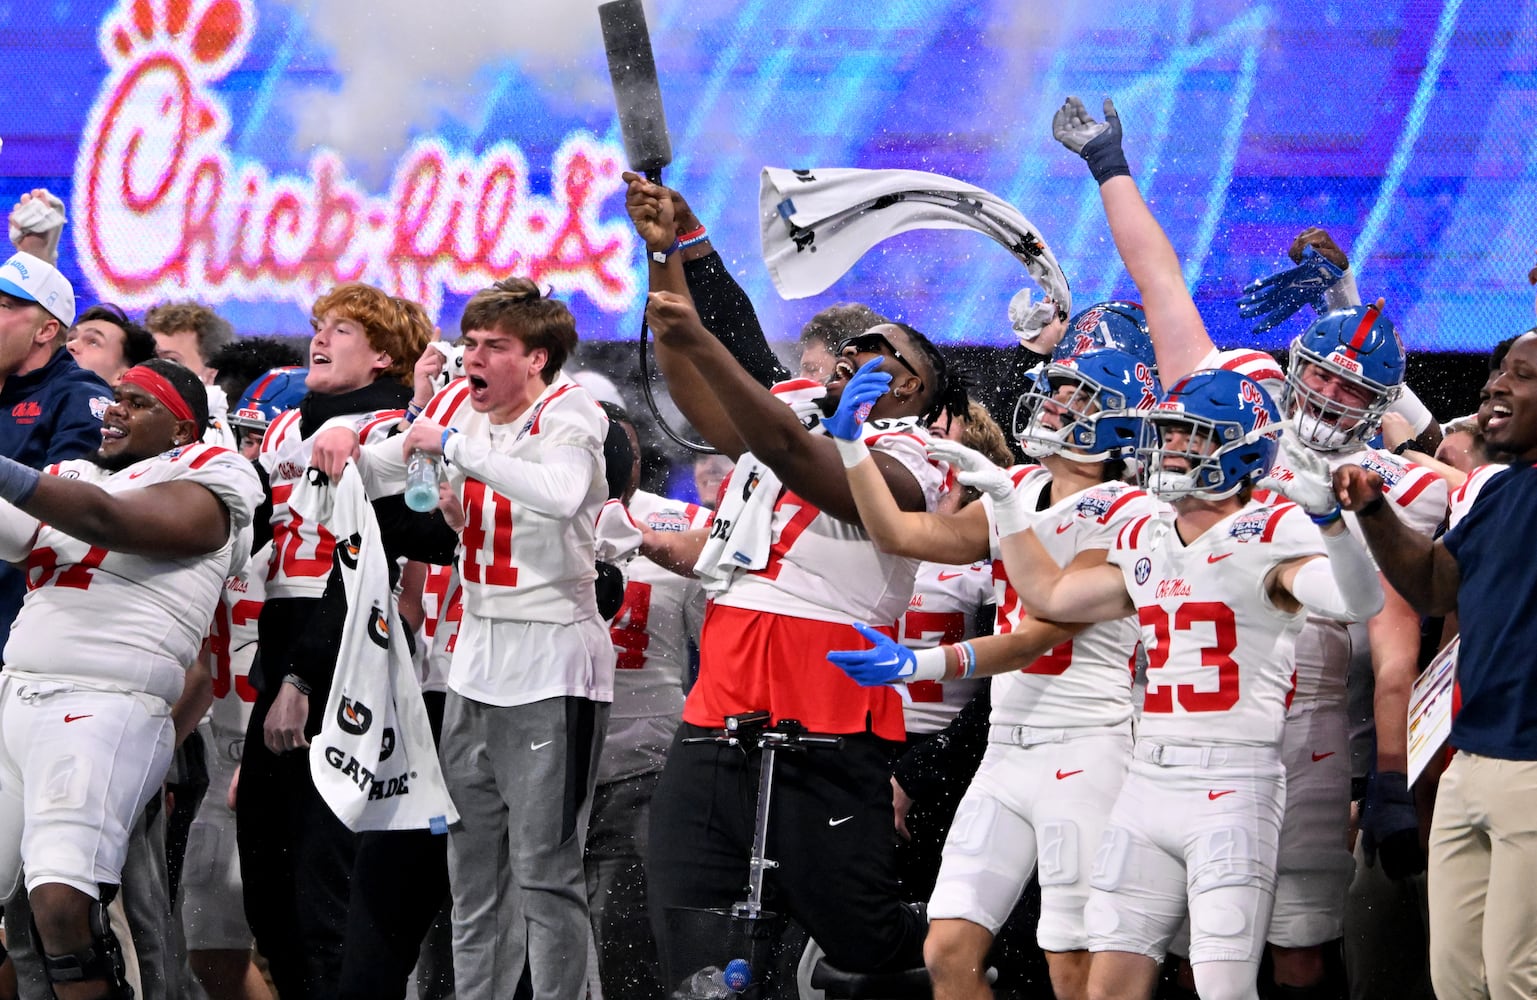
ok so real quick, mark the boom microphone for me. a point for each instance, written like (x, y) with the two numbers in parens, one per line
(637, 95)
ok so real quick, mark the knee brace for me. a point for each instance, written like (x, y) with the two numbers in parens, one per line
(102, 960)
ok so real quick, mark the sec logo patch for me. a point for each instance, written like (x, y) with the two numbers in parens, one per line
(1144, 569)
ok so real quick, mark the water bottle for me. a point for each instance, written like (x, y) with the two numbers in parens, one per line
(709, 983)
(422, 482)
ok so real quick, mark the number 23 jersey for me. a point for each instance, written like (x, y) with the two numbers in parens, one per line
(1219, 652)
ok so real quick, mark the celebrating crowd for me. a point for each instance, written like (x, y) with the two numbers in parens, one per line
(1115, 703)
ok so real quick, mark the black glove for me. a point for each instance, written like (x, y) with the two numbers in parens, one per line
(1099, 143)
(1390, 827)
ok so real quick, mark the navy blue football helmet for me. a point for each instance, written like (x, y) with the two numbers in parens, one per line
(1095, 399)
(1219, 429)
(1118, 324)
(278, 390)
(1357, 346)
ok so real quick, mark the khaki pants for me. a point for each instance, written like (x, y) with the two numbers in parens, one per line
(1483, 867)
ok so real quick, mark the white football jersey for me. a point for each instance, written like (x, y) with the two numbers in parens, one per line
(231, 650)
(661, 616)
(1085, 681)
(517, 562)
(1219, 653)
(301, 551)
(442, 611)
(1420, 498)
(828, 570)
(128, 622)
(1461, 499)
(1258, 365)
(943, 609)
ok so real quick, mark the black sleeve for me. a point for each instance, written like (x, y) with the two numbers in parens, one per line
(728, 313)
(261, 522)
(315, 651)
(945, 762)
(408, 535)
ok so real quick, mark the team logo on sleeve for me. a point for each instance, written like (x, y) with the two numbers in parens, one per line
(1250, 525)
(1143, 570)
(667, 520)
(353, 716)
(379, 628)
(1095, 503)
(1391, 472)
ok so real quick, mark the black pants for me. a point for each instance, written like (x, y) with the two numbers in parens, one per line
(399, 884)
(830, 829)
(296, 863)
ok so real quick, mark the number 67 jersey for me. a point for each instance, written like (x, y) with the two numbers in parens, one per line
(1219, 652)
(119, 621)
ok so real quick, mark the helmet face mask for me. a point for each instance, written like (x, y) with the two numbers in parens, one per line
(1091, 400)
(1344, 374)
(1208, 438)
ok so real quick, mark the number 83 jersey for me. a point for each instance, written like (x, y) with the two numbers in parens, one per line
(1219, 652)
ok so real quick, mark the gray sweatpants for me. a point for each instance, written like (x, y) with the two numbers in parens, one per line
(522, 778)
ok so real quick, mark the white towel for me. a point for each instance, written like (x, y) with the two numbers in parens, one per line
(742, 531)
(816, 224)
(374, 760)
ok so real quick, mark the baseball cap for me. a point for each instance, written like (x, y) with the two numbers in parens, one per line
(35, 280)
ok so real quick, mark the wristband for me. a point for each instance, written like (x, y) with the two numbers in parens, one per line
(412, 412)
(1403, 446)
(932, 664)
(1324, 520)
(693, 238)
(1105, 159)
(852, 452)
(17, 482)
(660, 256)
(968, 657)
(443, 441)
(1370, 508)
(298, 683)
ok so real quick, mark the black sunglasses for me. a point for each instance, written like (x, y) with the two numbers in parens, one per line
(876, 343)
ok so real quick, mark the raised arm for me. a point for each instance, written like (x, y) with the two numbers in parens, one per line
(807, 464)
(1179, 335)
(651, 211)
(172, 520)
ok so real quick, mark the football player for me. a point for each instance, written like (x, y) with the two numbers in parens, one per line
(1061, 715)
(126, 556)
(1221, 591)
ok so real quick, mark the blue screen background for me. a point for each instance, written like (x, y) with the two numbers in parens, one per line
(1408, 129)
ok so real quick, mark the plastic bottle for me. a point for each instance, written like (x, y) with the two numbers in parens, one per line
(422, 482)
(709, 983)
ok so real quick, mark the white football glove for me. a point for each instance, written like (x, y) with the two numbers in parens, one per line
(972, 468)
(1302, 476)
(40, 216)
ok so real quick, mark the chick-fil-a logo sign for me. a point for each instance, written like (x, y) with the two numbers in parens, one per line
(168, 209)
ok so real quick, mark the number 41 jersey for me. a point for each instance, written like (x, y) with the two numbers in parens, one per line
(120, 621)
(1219, 652)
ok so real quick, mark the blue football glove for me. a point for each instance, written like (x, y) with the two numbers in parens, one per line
(1272, 300)
(858, 397)
(1390, 827)
(886, 663)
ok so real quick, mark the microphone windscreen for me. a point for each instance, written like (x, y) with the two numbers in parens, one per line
(637, 94)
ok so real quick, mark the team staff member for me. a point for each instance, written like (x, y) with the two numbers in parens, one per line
(295, 856)
(127, 556)
(532, 674)
(1483, 840)
(767, 630)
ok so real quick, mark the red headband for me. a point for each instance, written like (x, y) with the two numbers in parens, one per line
(159, 386)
